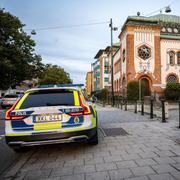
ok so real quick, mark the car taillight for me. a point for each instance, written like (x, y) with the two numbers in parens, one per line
(8, 113)
(86, 109)
(75, 113)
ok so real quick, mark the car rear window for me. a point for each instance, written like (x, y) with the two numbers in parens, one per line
(11, 96)
(49, 98)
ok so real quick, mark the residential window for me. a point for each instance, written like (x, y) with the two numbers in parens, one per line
(106, 69)
(178, 58)
(172, 79)
(106, 79)
(171, 58)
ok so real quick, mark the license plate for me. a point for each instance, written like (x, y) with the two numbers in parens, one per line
(48, 118)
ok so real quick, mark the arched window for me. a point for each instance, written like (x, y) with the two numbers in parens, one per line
(119, 84)
(171, 58)
(172, 79)
(178, 58)
(114, 85)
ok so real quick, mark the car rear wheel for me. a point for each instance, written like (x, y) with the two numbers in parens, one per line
(19, 149)
(94, 139)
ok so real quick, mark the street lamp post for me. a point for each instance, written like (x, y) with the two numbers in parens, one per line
(112, 73)
(92, 79)
(139, 90)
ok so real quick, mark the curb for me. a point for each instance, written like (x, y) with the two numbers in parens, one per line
(13, 170)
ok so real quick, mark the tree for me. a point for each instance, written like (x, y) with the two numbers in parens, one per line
(18, 60)
(53, 74)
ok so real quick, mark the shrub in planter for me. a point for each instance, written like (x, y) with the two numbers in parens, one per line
(172, 91)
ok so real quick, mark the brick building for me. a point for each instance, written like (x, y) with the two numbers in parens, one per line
(149, 52)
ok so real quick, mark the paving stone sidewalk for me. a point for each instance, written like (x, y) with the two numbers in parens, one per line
(148, 152)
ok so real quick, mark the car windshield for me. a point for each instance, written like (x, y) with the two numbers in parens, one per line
(11, 96)
(49, 98)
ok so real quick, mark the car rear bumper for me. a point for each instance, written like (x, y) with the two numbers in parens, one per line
(42, 139)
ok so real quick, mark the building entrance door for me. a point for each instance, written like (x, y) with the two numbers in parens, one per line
(146, 89)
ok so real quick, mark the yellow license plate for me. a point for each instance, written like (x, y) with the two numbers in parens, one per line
(48, 118)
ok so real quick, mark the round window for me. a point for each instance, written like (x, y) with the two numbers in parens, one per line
(144, 52)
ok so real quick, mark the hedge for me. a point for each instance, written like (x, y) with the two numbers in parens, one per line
(101, 94)
(133, 90)
(172, 91)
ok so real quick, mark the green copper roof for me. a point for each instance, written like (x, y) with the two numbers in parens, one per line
(159, 17)
(167, 18)
(141, 18)
(116, 44)
(164, 36)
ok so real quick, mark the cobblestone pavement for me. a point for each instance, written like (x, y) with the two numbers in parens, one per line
(148, 152)
(110, 115)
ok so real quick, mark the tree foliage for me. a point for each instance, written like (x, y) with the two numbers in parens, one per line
(53, 74)
(18, 60)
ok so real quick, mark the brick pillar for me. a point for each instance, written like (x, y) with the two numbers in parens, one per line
(157, 69)
(130, 57)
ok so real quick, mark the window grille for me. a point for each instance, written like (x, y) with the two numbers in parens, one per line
(144, 52)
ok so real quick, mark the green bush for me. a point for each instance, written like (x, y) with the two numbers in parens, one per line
(133, 90)
(172, 91)
(101, 94)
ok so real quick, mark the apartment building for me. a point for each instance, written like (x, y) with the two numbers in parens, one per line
(89, 82)
(100, 68)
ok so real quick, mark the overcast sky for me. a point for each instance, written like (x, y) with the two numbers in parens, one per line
(74, 48)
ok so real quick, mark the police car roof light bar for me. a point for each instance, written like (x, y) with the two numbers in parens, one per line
(59, 85)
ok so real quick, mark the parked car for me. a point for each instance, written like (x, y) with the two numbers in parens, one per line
(9, 99)
(51, 115)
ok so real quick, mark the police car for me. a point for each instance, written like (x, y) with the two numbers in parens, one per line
(51, 114)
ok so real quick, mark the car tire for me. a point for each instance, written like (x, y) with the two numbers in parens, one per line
(3, 107)
(94, 139)
(19, 149)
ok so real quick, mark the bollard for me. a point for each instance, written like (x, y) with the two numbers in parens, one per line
(125, 104)
(179, 113)
(151, 109)
(163, 111)
(142, 107)
(121, 104)
(118, 103)
(103, 103)
(135, 108)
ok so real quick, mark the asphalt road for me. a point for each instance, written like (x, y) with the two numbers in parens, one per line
(7, 156)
